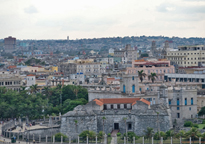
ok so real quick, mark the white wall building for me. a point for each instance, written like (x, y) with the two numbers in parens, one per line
(31, 80)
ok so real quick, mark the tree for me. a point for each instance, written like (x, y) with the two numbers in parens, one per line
(202, 111)
(152, 77)
(149, 133)
(75, 91)
(169, 133)
(141, 74)
(103, 118)
(203, 137)
(193, 133)
(34, 88)
(125, 121)
(76, 123)
(100, 135)
(58, 137)
(130, 136)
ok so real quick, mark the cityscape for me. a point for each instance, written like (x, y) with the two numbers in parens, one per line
(106, 85)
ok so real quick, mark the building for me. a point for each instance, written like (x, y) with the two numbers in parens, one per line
(30, 80)
(183, 104)
(136, 111)
(160, 67)
(111, 51)
(11, 81)
(127, 55)
(195, 78)
(9, 44)
(84, 68)
(187, 56)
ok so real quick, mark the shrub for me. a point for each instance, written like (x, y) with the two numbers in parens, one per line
(90, 134)
(203, 122)
(195, 125)
(109, 134)
(58, 137)
(162, 134)
(130, 136)
(204, 127)
(118, 134)
(188, 124)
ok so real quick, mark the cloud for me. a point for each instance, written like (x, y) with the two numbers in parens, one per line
(31, 9)
(176, 9)
(78, 23)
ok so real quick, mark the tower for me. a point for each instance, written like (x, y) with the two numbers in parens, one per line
(153, 48)
(164, 51)
(9, 44)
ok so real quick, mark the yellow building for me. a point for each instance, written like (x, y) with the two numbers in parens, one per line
(187, 56)
(54, 68)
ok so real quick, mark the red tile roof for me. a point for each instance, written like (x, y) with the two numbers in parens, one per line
(30, 75)
(132, 101)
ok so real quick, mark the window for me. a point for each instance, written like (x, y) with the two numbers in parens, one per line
(105, 107)
(125, 106)
(111, 106)
(177, 101)
(124, 88)
(177, 108)
(192, 101)
(185, 101)
(133, 88)
(190, 108)
(118, 106)
(178, 115)
(129, 126)
(133, 78)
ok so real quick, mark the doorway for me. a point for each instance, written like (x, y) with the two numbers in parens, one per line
(116, 126)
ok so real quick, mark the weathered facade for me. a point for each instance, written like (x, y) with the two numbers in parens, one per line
(138, 114)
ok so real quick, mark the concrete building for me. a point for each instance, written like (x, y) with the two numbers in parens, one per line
(160, 67)
(127, 55)
(111, 51)
(30, 80)
(187, 56)
(11, 81)
(183, 104)
(199, 78)
(9, 44)
(136, 111)
(84, 68)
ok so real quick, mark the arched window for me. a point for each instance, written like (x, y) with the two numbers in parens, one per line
(133, 88)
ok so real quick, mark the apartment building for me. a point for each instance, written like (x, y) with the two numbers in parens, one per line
(127, 55)
(10, 81)
(187, 56)
(84, 68)
(160, 67)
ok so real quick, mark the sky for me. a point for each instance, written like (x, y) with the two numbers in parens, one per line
(57, 19)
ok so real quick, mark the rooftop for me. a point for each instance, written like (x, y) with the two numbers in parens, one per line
(132, 101)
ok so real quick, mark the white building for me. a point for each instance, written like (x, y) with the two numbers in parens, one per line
(31, 80)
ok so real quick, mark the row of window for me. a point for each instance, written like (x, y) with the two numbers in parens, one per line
(10, 83)
(154, 71)
(178, 108)
(112, 106)
(185, 101)
(184, 53)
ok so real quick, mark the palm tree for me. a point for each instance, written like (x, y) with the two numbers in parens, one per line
(47, 91)
(76, 122)
(141, 74)
(75, 91)
(103, 118)
(34, 88)
(149, 133)
(203, 137)
(59, 86)
(23, 88)
(153, 77)
(125, 121)
(193, 133)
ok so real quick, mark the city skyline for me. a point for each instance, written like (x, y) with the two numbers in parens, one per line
(93, 19)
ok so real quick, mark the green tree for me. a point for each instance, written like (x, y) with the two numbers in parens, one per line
(141, 74)
(202, 111)
(34, 88)
(149, 132)
(152, 77)
(193, 133)
(58, 137)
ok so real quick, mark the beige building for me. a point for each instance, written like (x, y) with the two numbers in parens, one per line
(188, 56)
(10, 81)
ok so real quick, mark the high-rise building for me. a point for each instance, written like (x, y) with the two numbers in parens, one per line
(9, 44)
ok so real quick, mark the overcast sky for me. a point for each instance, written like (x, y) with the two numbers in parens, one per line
(57, 19)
